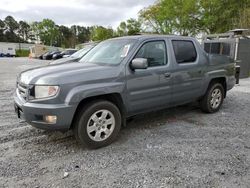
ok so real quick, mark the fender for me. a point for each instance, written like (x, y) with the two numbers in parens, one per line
(220, 73)
(79, 93)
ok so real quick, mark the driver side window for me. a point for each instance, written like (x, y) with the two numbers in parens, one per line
(154, 52)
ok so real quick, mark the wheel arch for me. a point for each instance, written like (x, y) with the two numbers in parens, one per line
(115, 98)
(222, 81)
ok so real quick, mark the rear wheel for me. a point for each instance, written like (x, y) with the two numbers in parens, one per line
(98, 124)
(213, 98)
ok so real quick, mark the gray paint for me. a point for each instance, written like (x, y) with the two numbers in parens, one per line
(244, 57)
(141, 90)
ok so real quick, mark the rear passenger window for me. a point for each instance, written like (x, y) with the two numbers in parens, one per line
(154, 52)
(185, 51)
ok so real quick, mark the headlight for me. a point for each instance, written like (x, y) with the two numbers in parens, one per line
(45, 91)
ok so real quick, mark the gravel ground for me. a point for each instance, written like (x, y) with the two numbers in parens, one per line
(179, 147)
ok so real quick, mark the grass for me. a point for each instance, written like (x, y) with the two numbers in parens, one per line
(22, 53)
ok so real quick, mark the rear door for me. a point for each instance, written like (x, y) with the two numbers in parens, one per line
(188, 71)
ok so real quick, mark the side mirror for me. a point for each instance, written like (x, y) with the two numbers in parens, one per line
(139, 63)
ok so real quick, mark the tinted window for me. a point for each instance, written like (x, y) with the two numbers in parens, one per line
(215, 48)
(218, 48)
(154, 52)
(184, 51)
(207, 47)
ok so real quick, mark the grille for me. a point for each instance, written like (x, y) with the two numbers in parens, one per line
(22, 90)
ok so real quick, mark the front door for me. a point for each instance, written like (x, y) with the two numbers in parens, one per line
(147, 89)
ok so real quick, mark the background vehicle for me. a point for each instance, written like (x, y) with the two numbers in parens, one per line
(120, 78)
(65, 53)
(7, 50)
(41, 56)
(75, 56)
(49, 55)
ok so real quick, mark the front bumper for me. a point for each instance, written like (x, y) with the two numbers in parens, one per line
(33, 113)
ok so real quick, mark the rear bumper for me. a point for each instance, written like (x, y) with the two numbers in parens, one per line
(231, 82)
(33, 114)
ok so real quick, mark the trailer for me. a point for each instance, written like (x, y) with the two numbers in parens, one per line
(235, 43)
(7, 50)
(37, 50)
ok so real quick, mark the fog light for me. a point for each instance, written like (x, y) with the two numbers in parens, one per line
(50, 119)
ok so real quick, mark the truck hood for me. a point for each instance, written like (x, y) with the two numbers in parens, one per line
(67, 73)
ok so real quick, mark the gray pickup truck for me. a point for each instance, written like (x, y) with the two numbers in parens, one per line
(120, 78)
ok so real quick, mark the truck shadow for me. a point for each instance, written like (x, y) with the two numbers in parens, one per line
(146, 121)
(157, 118)
(186, 113)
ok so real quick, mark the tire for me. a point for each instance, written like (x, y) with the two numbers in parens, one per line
(97, 124)
(215, 92)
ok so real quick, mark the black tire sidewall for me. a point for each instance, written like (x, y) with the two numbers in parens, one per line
(84, 118)
(209, 95)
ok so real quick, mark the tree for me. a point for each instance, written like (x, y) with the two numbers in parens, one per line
(35, 31)
(130, 27)
(221, 16)
(83, 34)
(173, 16)
(66, 37)
(134, 26)
(153, 20)
(122, 29)
(2, 27)
(11, 28)
(24, 31)
(191, 17)
(244, 18)
(100, 33)
(48, 32)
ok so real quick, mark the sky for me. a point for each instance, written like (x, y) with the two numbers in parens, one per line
(74, 12)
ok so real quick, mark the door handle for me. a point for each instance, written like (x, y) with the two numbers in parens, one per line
(167, 75)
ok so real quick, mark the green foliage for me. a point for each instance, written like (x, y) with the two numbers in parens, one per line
(100, 33)
(10, 29)
(24, 30)
(11, 24)
(220, 16)
(184, 17)
(22, 53)
(48, 32)
(130, 27)
(244, 21)
(66, 37)
(191, 17)
(173, 16)
(2, 35)
(122, 29)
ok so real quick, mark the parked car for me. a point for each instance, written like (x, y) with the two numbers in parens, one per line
(65, 53)
(45, 54)
(49, 55)
(121, 78)
(41, 56)
(75, 56)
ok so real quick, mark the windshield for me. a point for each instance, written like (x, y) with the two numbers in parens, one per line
(110, 52)
(82, 52)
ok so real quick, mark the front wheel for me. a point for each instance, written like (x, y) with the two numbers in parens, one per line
(213, 98)
(98, 124)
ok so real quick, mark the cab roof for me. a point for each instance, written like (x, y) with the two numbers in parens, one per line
(152, 36)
